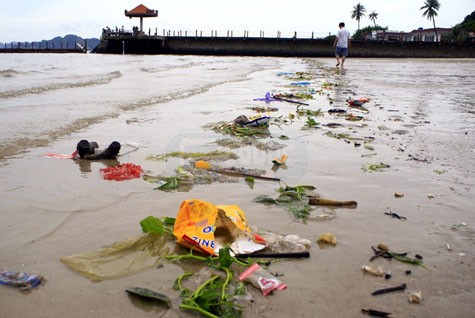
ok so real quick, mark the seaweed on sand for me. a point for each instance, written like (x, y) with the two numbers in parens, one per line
(308, 112)
(227, 128)
(375, 167)
(298, 95)
(187, 176)
(216, 155)
(299, 76)
(268, 146)
(293, 199)
(338, 136)
(234, 143)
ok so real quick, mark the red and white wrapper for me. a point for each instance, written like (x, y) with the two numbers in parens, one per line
(262, 279)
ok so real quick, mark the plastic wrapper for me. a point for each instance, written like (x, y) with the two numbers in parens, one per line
(285, 243)
(121, 172)
(121, 258)
(21, 280)
(208, 227)
(261, 279)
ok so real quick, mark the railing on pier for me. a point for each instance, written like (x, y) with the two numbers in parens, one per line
(245, 34)
(214, 33)
(43, 46)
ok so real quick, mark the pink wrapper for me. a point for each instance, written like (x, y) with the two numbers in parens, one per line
(262, 279)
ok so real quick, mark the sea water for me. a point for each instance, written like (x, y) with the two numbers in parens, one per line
(421, 116)
(46, 96)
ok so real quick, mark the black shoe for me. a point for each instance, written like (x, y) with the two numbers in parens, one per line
(112, 151)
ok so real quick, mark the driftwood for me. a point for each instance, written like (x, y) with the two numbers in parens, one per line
(290, 101)
(327, 202)
(240, 174)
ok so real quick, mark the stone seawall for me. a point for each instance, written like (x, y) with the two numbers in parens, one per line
(285, 47)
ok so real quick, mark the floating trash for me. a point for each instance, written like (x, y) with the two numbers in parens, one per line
(20, 280)
(280, 161)
(147, 293)
(415, 298)
(376, 271)
(327, 238)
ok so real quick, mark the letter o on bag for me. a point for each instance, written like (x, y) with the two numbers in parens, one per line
(207, 229)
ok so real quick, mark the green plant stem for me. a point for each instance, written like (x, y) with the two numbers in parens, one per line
(242, 263)
(197, 292)
(229, 275)
(180, 287)
(198, 309)
(187, 256)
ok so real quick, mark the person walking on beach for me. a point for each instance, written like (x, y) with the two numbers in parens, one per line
(342, 43)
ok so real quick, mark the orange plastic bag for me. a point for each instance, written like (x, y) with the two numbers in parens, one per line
(207, 227)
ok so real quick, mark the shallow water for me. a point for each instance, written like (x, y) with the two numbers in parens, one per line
(49, 96)
(54, 208)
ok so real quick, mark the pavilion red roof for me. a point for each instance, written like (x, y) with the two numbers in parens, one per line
(141, 11)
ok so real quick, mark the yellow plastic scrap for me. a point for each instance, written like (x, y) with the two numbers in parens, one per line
(327, 238)
(201, 164)
(281, 160)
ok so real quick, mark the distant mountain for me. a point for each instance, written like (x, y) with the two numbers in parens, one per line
(69, 41)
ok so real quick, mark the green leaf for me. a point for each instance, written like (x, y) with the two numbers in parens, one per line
(225, 258)
(240, 289)
(169, 221)
(284, 198)
(408, 260)
(152, 224)
(147, 293)
(170, 183)
(250, 182)
(264, 199)
(300, 213)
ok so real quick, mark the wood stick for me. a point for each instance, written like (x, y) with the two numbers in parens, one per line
(388, 290)
(290, 101)
(327, 202)
(275, 255)
(240, 174)
(375, 313)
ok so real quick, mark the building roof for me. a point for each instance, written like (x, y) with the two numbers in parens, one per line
(439, 30)
(141, 11)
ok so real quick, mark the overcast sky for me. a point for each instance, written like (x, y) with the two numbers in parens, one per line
(34, 20)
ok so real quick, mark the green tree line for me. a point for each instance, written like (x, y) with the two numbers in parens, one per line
(429, 10)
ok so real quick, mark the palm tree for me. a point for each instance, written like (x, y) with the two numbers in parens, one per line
(373, 16)
(431, 7)
(358, 13)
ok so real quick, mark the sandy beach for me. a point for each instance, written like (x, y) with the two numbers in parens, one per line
(420, 122)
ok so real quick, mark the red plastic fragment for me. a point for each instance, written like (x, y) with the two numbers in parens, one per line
(121, 172)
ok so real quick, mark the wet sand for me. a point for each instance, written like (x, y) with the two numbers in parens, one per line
(54, 208)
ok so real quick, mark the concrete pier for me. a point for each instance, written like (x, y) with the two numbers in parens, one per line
(285, 47)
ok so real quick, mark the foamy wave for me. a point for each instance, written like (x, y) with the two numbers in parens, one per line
(20, 145)
(101, 80)
(169, 67)
(177, 95)
(9, 73)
